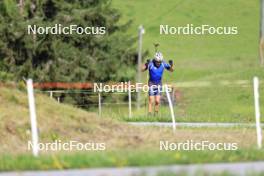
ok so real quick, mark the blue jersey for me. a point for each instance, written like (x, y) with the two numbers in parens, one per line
(155, 73)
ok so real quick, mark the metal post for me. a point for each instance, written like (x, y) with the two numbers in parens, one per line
(173, 96)
(140, 33)
(33, 118)
(99, 104)
(257, 111)
(129, 101)
(51, 94)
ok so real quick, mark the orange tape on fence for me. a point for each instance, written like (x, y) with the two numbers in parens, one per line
(61, 85)
(87, 85)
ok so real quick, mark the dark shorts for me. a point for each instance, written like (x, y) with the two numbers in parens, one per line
(155, 89)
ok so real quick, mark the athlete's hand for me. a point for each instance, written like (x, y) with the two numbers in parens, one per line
(171, 62)
(147, 63)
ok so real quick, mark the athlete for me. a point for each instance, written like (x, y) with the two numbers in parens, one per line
(156, 68)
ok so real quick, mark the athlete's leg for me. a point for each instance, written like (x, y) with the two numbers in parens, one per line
(151, 98)
(151, 102)
(157, 103)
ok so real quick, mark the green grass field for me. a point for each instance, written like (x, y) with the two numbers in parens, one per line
(195, 104)
(123, 158)
(200, 57)
(126, 145)
(197, 58)
(212, 58)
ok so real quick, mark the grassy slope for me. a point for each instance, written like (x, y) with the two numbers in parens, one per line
(204, 58)
(126, 145)
(199, 57)
(196, 58)
(63, 122)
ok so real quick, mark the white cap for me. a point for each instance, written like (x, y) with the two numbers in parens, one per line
(158, 56)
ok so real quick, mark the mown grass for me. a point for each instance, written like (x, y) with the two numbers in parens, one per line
(126, 145)
(209, 55)
(195, 104)
(197, 58)
(122, 158)
(212, 58)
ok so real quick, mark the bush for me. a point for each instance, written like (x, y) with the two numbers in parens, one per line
(4, 77)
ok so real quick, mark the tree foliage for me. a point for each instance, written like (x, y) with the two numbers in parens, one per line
(76, 58)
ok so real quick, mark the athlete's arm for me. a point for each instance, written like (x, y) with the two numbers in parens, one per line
(171, 65)
(145, 66)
